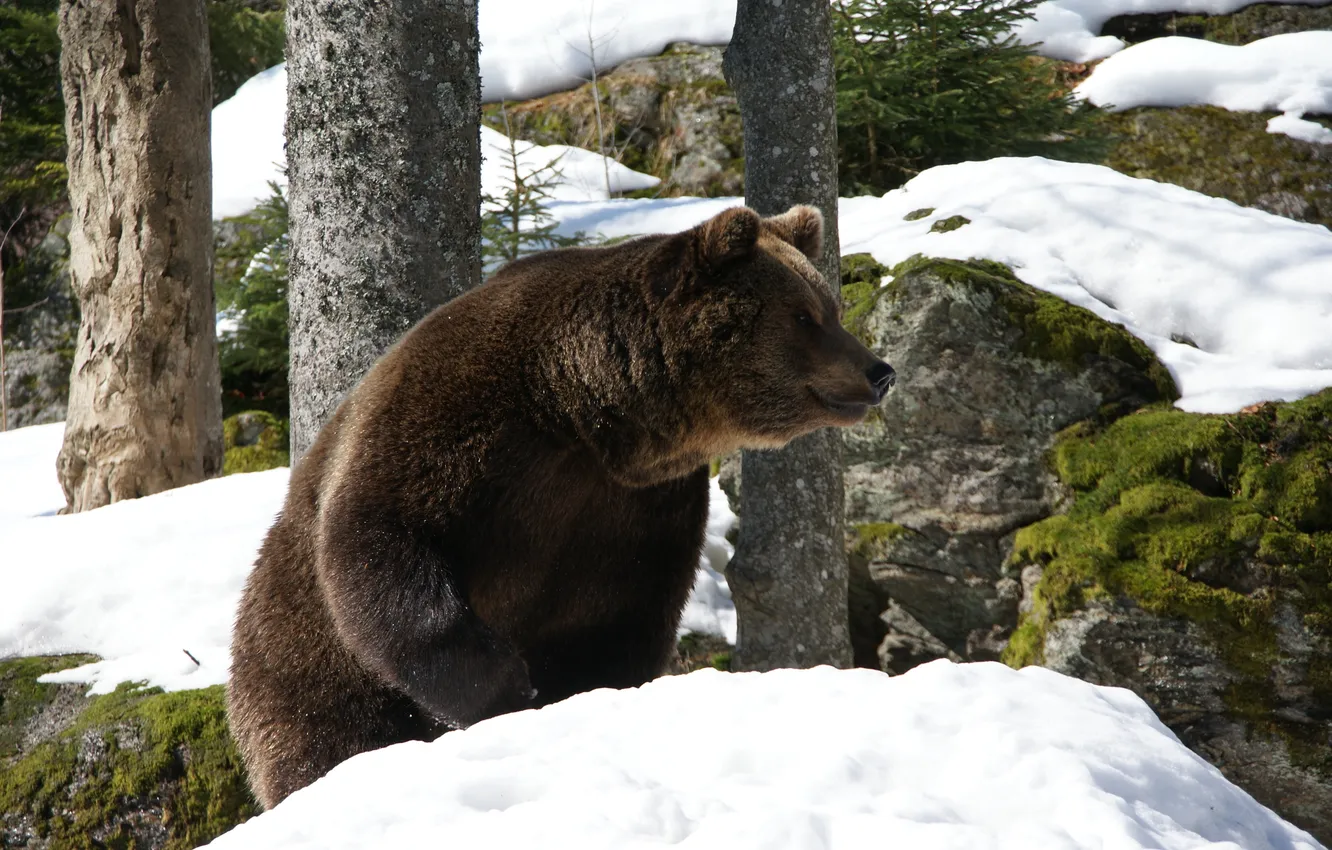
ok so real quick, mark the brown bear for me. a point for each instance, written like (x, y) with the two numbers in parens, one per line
(509, 508)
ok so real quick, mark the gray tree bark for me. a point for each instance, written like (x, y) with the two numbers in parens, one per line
(145, 410)
(384, 163)
(789, 573)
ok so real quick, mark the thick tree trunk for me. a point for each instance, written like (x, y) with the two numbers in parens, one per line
(145, 409)
(384, 161)
(789, 574)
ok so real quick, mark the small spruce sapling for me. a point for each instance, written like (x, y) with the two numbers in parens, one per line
(517, 223)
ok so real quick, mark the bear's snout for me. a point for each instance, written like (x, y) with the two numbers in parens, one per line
(881, 378)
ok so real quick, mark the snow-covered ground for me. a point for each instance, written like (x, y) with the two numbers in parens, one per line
(1252, 291)
(1290, 73)
(151, 585)
(945, 757)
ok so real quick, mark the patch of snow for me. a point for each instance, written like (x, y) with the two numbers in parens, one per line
(142, 582)
(1252, 290)
(710, 609)
(1070, 29)
(1291, 124)
(249, 143)
(1289, 73)
(139, 583)
(28, 483)
(946, 756)
(249, 152)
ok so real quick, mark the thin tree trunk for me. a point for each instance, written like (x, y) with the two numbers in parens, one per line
(384, 162)
(789, 574)
(145, 400)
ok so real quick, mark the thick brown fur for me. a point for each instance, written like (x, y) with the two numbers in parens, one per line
(508, 509)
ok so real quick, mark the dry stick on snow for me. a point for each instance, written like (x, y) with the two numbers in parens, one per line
(192, 658)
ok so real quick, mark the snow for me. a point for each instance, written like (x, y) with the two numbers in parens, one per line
(249, 153)
(143, 582)
(1289, 73)
(531, 48)
(945, 757)
(1068, 29)
(1252, 290)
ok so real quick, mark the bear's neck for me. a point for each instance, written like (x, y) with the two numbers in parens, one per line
(605, 383)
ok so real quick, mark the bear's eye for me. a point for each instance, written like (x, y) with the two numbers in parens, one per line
(804, 319)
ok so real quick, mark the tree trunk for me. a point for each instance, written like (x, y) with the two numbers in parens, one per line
(384, 161)
(789, 573)
(145, 404)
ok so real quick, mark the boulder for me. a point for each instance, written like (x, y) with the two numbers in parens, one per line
(1194, 567)
(134, 768)
(671, 115)
(943, 473)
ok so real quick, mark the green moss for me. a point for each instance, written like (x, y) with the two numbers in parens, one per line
(22, 697)
(269, 452)
(1224, 154)
(946, 225)
(868, 540)
(917, 215)
(1210, 519)
(133, 749)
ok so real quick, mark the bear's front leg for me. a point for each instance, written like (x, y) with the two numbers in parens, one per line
(396, 607)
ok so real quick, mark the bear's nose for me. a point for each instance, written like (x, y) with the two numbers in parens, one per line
(881, 376)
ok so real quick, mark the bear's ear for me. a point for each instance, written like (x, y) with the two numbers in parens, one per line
(800, 226)
(728, 236)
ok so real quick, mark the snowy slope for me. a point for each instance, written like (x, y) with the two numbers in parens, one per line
(249, 153)
(1252, 290)
(1289, 73)
(944, 757)
(142, 583)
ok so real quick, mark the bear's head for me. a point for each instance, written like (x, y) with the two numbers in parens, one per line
(754, 330)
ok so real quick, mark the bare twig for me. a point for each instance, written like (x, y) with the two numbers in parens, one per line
(192, 658)
(34, 305)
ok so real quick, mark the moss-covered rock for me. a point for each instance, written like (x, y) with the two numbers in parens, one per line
(136, 768)
(951, 463)
(254, 441)
(1205, 540)
(672, 116)
(1227, 155)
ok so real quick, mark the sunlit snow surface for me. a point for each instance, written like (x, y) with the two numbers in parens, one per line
(945, 757)
(1252, 290)
(151, 585)
(1290, 73)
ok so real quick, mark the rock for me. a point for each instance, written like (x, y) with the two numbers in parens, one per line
(1195, 568)
(135, 768)
(671, 115)
(254, 441)
(1227, 155)
(41, 325)
(1247, 25)
(950, 465)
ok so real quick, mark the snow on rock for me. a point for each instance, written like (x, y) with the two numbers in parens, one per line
(142, 582)
(1252, 291)
(944, 757)
(1289, 73)
(531, 48)
(249, 152)
(1068, 29)
(576, 174)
